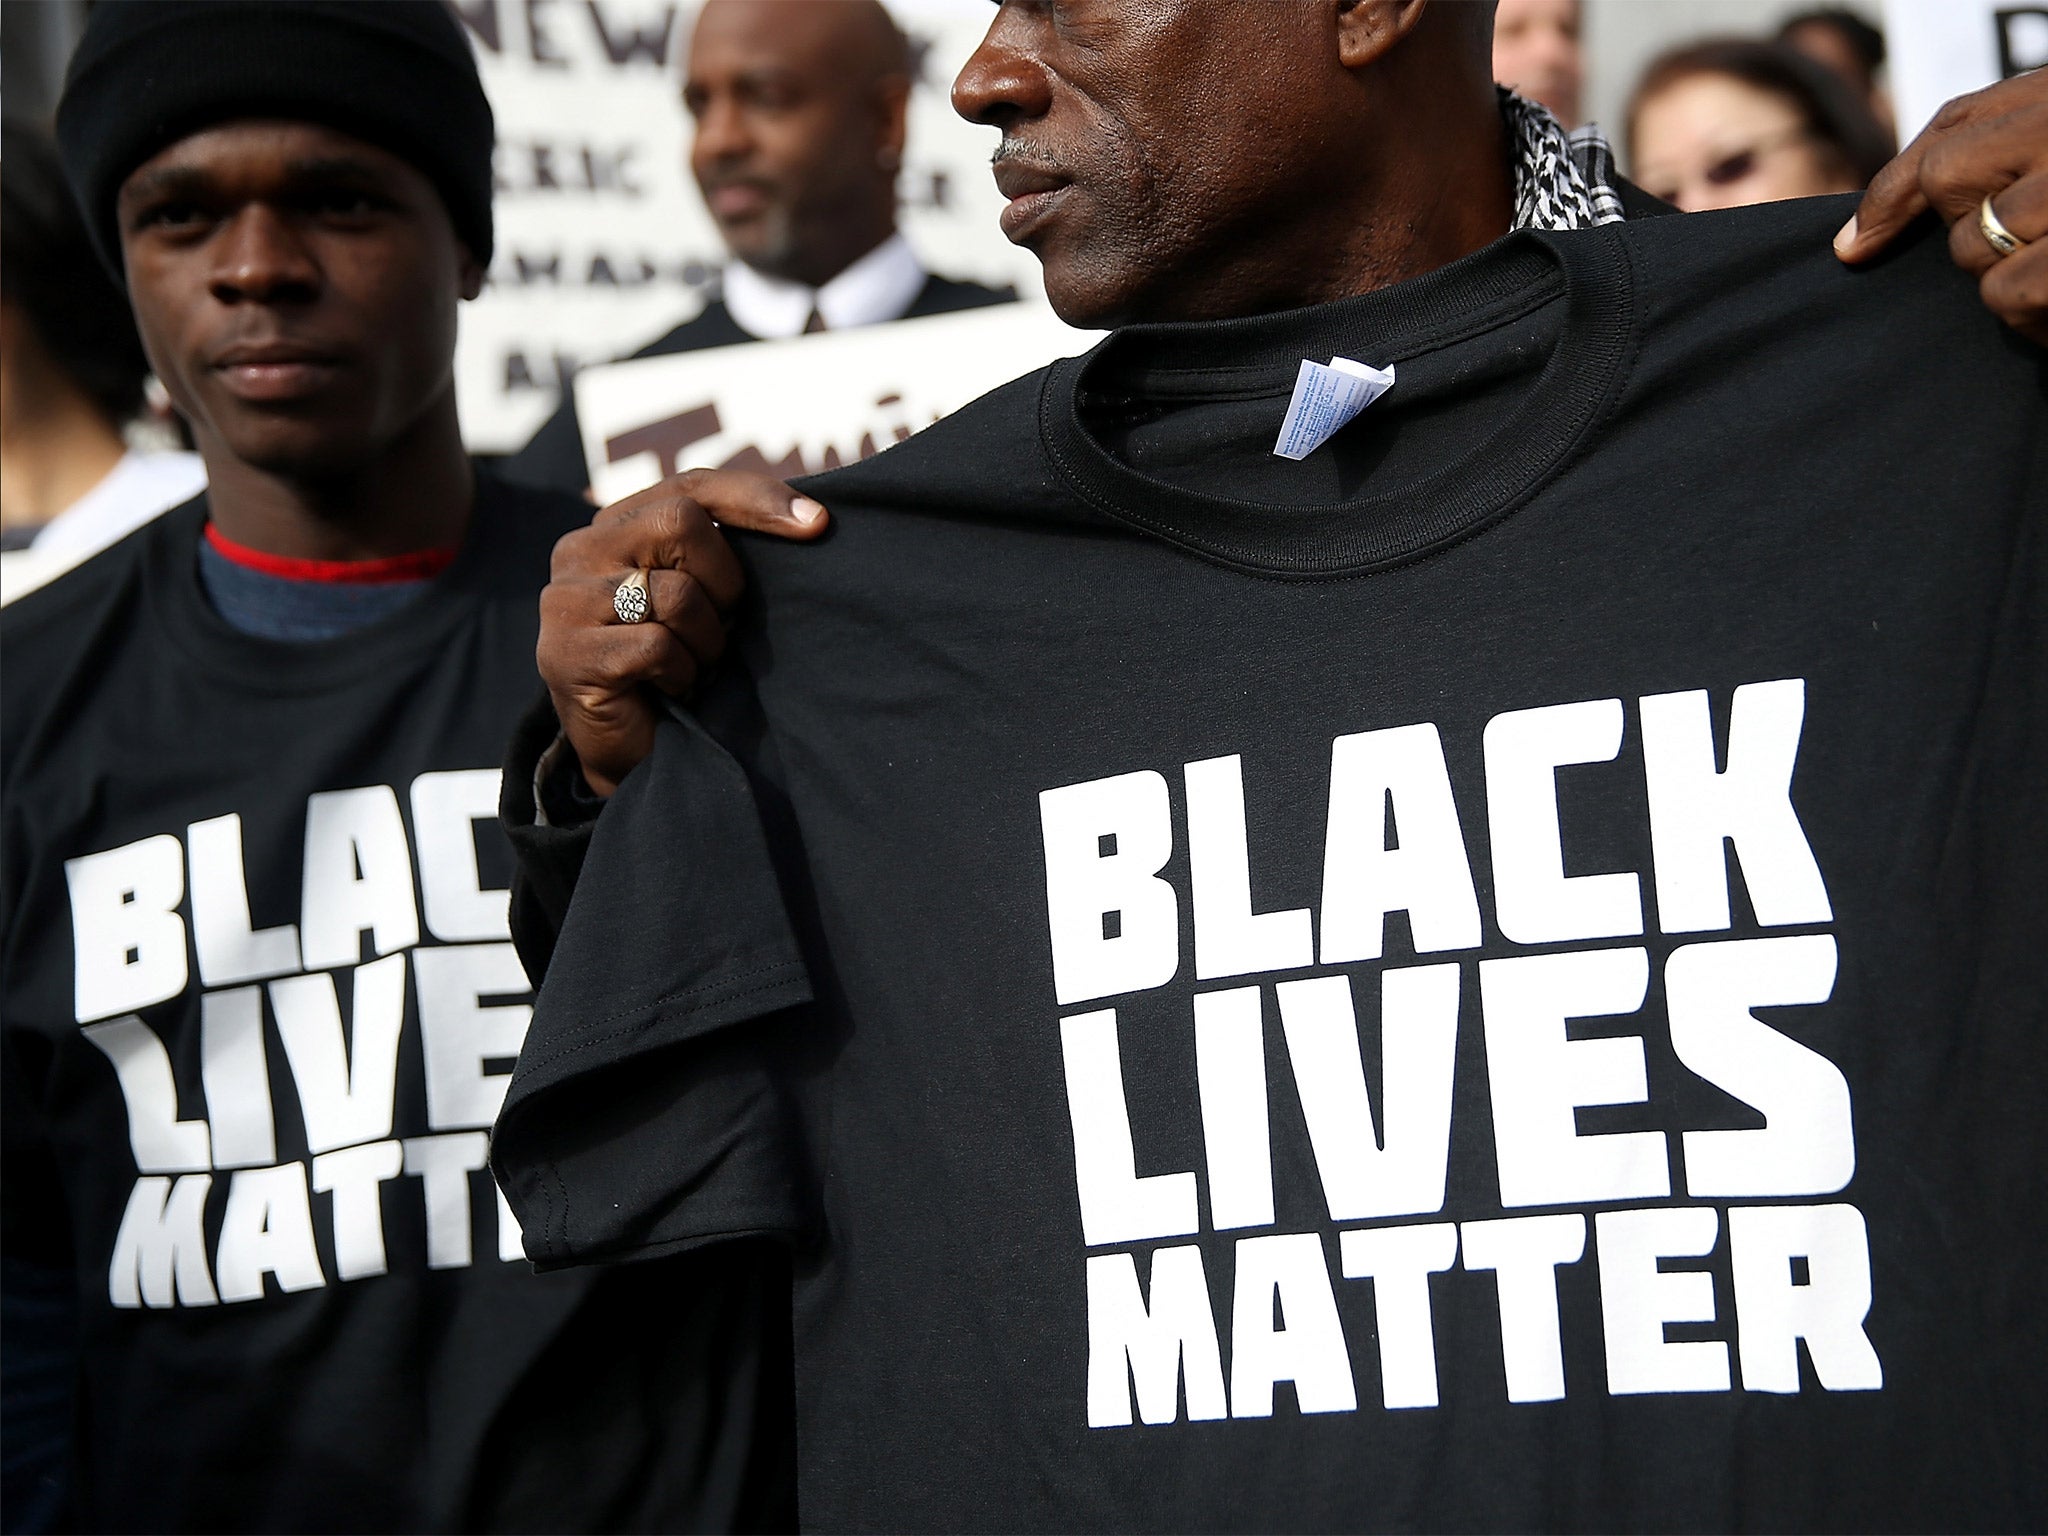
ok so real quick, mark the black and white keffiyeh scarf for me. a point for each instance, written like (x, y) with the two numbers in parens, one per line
(1562, 180)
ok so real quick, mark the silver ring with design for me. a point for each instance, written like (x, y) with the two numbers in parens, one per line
(630, 598)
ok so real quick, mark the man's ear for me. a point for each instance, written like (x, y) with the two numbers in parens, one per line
(1366, 29)
(469, 273)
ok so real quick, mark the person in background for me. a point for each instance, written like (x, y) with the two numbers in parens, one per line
(71, 381)
(1536, 54)
(254, 980)
(799, 108)
(1727, 122)
(1844, 42)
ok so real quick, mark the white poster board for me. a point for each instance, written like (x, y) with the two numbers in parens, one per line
(603, 243)
(806, 404)
(1937, 49)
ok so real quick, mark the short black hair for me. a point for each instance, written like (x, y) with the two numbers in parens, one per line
(50, 275)
(1827, 105)
(1864, 40)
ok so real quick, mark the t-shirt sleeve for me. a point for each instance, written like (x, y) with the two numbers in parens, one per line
(549, 841)
(647, 1113)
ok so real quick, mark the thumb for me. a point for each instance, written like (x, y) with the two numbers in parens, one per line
(738, 498)
(1894, 200)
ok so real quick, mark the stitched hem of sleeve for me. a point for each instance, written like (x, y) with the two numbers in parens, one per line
(544, 765)
(729, 1001)
(782, 1228)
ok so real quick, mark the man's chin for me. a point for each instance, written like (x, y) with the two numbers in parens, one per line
(762, 243)
(1093, 300)
(301, 451)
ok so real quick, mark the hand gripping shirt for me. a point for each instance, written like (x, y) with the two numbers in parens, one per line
(1491, 977)
(259, 1011)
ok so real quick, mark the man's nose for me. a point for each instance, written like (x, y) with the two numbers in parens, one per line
(1003, 81)
(259, 257)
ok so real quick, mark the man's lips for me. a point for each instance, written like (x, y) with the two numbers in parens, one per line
(274, 371)
(1033, 191)
(737, 199)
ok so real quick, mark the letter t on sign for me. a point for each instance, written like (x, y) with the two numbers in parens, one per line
(665, 439)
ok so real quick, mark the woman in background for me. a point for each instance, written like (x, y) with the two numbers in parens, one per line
(73, 475)
(1723, 123)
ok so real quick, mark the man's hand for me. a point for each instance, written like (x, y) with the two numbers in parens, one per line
(1994, 143)
(600, 670)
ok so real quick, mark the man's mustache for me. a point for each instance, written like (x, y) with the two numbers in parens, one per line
(1022, 151)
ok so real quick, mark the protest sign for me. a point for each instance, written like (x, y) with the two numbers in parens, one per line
(1938, 49)
(806, 404)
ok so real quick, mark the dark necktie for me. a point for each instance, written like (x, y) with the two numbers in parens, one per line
(816, 323)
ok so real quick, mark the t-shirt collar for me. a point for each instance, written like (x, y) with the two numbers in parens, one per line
(1132, 370)
(880, 286)
(175, 593)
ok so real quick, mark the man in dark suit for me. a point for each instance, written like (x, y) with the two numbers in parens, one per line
(799, 107)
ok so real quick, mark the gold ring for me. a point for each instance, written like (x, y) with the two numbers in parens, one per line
(2001, 239)
(629, 598)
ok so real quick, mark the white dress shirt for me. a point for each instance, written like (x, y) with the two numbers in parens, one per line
(880, 286)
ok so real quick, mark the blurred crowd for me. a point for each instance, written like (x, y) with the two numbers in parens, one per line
(1724, 121)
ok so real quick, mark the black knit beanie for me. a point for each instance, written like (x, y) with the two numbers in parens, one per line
(396, 73)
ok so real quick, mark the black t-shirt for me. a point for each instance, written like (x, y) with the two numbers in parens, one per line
(260, 1009)
(1489, 978)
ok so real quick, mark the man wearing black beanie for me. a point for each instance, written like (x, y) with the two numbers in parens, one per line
(399, 76)
(259, 1002)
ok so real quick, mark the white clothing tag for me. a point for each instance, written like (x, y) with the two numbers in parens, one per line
(1326, 399)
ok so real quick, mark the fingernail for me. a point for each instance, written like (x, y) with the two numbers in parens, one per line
(805, 510)
(1845, 237)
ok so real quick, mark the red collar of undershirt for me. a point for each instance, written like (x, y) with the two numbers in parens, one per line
(415, 565)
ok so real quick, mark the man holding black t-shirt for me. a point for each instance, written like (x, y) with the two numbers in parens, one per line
(259, 1002)
(1232, 963)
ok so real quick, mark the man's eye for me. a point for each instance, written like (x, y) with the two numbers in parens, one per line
(171, 216)
(346, 203)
